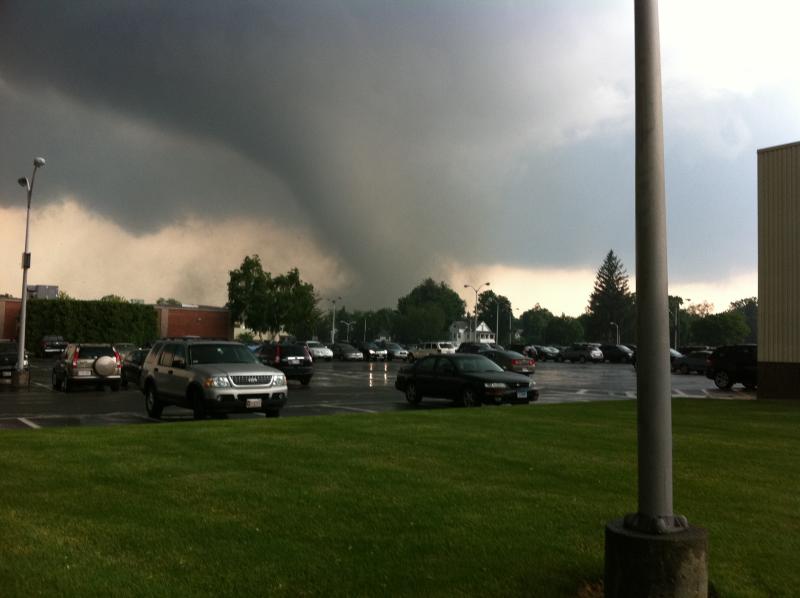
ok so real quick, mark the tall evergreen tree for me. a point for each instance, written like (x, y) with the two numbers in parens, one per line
(610, 301)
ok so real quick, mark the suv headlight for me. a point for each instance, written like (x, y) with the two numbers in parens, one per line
(495, 385)
(279, 380)
(216, 382)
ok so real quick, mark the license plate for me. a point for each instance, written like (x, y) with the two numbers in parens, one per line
(522, 393)
(84, 372)
(253, 403)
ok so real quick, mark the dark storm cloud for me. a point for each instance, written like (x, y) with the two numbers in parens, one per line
(398, 134)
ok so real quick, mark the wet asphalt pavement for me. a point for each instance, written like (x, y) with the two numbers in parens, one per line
(337, 388)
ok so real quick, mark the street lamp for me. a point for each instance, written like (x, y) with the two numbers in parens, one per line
(615, 325)
(26, 263)
(678, 303)
(469, 286)
(333, 317)
(348, 324)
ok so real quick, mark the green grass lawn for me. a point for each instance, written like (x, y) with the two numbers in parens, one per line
(453, 502)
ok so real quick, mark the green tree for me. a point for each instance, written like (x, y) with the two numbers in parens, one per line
(748, 307)
(113, 298)
(248, 295)
(534, 324)
(726, 328)
(291, 304)
(423, 298)
(563, 330)
(168, 301)
(418, 323)
(610, 301)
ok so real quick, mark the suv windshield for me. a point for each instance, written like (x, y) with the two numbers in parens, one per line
(220, 354)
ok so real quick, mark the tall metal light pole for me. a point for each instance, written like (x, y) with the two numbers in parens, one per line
(469, 286)
(615, 325)
(26, 263)
(510, 321)
(652, 552)
(348, 324)
(333, 318)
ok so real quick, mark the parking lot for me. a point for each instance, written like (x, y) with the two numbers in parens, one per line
(336, 388)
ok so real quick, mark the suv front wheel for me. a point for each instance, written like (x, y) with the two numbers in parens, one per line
(723, 380)
(152, 405)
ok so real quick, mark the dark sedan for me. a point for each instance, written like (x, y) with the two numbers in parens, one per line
(470, 379)
(694, 361)
(292, 359)
(132, 366)
(346, 352)
(512, 361)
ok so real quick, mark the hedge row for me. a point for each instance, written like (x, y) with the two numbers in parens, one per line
(90, 321)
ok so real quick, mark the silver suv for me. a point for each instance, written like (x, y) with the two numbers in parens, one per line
(97, 364)
(210, 377)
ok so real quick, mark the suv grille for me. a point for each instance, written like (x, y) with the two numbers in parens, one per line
(252, 380)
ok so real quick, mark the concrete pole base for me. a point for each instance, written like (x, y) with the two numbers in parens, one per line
(642, 565)
(20, 379)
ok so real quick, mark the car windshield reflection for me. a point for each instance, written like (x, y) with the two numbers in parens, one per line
(473, 364)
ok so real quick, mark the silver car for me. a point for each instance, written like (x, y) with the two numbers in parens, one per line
(210, 377)
(85, 364)
(319, 351)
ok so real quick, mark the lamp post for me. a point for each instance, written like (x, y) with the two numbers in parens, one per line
(333, 318)
(26, 263)
(615, 325)
(348, 324)
(469, 286)
(510, 321)
(678, 303)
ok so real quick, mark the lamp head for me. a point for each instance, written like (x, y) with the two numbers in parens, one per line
(38, 162)
(23, 182)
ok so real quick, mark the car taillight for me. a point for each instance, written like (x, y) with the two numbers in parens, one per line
(516, 362)
(75, 358)
(118, 358)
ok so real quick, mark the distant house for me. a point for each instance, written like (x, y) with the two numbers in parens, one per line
(461, 331)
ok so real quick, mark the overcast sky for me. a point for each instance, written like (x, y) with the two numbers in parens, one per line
(373, 144)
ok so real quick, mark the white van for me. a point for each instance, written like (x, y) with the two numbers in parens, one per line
(430, 348)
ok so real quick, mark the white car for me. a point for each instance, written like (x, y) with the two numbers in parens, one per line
(319, 351)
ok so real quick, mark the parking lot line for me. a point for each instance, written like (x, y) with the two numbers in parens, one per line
(349, 408)
(29, 423)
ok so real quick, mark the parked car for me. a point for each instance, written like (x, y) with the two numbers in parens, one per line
(526, 350)
(124, 348)
(469, 378)
(319, 351)
(9, 355)
(210, 377)
(694, 361)
(512, 361)
(733, 364)
(686, 349)
(547, 352)
(82, 364)
(673, 355)
(51, 345)
(293, 359)
(581, 352)
(617, 353)
(394, 351)
(371, 351)
(473, 347)
(346, 352)
(132, 367)
(430, 348)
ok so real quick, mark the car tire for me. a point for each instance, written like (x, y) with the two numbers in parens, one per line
(723, 380)
(469, 398)
(152, 405)
(123, 380)
(199, 410)
(582, 359)
(412, 394)
(272, 413)
(65, 384)
(54, 380)
(410, 358)
(305, 380)
(115, 386)
(684, 369)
